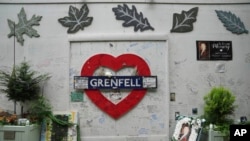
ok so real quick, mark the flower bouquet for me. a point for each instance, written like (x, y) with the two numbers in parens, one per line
(7, 118)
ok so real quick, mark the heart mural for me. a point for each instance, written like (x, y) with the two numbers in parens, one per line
(115, 64)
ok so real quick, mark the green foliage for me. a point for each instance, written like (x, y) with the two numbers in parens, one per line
(42, 110)
(22, 83)
(219, 105)
(224, 129)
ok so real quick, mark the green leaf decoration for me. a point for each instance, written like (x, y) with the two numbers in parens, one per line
(132, 18)
(24, 26)
(231, 22)
(77, 19)
(184, 22)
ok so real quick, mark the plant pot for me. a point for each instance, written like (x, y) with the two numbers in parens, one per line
(215, 136)
(20, 133)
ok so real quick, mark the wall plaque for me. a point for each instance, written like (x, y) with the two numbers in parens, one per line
(76, 97)
(214, 50)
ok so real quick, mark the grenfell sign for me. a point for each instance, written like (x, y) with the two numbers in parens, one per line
(115, 82)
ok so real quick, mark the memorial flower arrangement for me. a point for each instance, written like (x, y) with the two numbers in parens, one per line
(23, 85)
(193, 126)
(7, 118)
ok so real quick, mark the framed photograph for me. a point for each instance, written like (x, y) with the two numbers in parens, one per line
(186, 129)
(214, 50)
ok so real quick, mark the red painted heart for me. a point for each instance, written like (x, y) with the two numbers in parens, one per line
(115, 63)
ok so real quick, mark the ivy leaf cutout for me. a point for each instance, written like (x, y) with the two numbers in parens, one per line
(24, 26)
(184, 22)
(77, 19)
(231, 22)
(132, 18)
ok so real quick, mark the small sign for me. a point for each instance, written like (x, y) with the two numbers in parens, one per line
(76, 96)
(9, 135)
(115, 82)
(214, 50)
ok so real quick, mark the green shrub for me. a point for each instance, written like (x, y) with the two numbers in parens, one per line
(219, 106)
(21, 84)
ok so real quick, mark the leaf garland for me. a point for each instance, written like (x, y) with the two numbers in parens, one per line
(184, 22)
(24, 26)
(77, 19)
(132, 18)
(231, 22)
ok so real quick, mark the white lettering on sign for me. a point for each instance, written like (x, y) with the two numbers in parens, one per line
(221, 45)
(114, 82)
(120, 82)
(239, 132)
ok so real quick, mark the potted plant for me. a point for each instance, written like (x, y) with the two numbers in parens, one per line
(219, 106)
(21, 84)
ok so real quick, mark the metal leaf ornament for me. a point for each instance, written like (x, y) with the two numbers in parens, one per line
(24, 26)
(132, 18)
(184, 22)
(231, 22)
(77, 19)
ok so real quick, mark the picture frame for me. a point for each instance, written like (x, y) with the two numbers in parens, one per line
(187, 129)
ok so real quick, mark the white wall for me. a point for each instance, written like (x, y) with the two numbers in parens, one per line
(147, 118)
(188, 78)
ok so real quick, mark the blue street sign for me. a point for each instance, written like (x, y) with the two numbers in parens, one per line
(115, 82)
